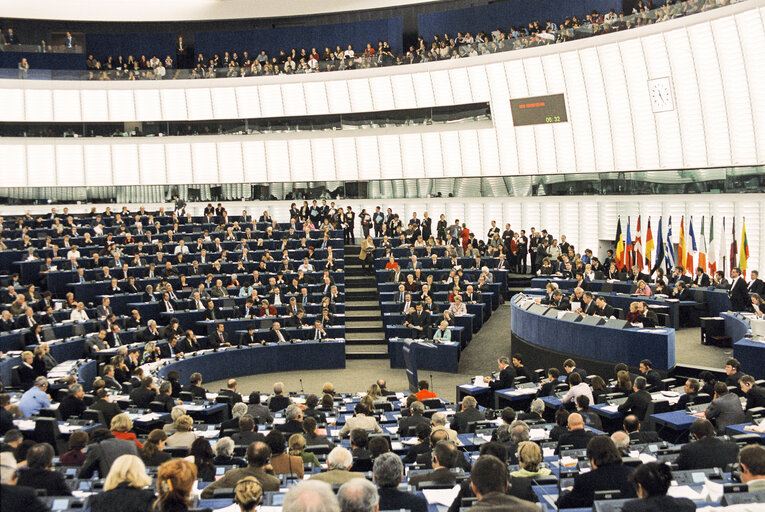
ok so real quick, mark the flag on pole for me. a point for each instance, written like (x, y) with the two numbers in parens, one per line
(659, 248)
(681, 245)
(690, 255)
(639, 247)
(669, 250)
(712, 252)
(744, 249)
(733, 248)
(629, 248)
(649, 245)
(703, 248)
(619, 255)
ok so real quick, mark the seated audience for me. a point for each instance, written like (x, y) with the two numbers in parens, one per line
(125, 488)
(652, 481)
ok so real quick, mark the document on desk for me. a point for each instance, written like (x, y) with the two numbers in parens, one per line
(479, 383)
(441, 496)
(148, 417)
(521, 392)
(610, 408)
(537, 434)
(683, 491)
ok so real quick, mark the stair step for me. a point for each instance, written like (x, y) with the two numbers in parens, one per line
(368, 314)
(364, 336)
(370, 328)
(362, 305)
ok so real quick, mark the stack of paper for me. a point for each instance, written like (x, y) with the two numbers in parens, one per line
(441, 496)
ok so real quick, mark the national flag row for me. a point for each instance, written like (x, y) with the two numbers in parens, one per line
(717, 248)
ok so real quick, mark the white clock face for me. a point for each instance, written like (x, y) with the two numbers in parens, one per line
(660, 92)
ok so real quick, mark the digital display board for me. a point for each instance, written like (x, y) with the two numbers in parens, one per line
(539, 110)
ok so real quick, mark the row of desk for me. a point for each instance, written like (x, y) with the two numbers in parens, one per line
(549, 341)
(716, 301)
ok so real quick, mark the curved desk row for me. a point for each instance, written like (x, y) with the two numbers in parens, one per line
(716, 301)
(750, 353)
(548, 341)
(670, 307)
(236, 362)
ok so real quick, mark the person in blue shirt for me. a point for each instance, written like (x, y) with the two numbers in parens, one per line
(443, 334)
(35, 398)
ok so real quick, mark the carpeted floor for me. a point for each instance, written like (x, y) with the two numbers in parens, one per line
(479, 358)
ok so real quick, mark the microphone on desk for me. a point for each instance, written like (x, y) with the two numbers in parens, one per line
(431, 382)
(301, 385)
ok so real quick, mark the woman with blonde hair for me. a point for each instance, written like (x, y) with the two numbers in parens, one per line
(121, 427)
(248, 494)
(183, 435)
(374, 391)
(175, 479)
(530, 459)
(296, 445)
(125, 488)
(175, 413)
(643, 289)
(634, 316)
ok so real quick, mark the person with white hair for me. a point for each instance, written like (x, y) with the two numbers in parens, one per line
(622, 441)
(536, 410)
(468, 414)
(310, 496)
(237, 411)
(294, 423)
(175, 413)
(224, 453)
(438, 420)
(358, 495)
(35, 398)
(16, 497)
(339, 462)
(388, 470)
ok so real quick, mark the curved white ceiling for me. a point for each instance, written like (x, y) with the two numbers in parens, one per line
(186, 10)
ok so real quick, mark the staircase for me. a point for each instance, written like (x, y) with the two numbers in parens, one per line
(516, 283)
(364, 330)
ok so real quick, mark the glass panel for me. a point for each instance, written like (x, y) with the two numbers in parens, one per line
(687, 181)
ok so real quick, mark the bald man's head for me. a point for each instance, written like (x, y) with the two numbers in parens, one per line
(575, 421)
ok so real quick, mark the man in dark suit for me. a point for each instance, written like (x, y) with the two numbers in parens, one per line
(577, 437)
(649, 317)
(277, 334)
(231, 391)
(249, 338)
(701, 279)
(547, 387)
(608, 473)
(652, 377)
(318, 332)
(469, 414)
(195, 386)
(171, 348)
(507, 375)
(725, 409)
(219, 338)
(738, 293)
(444, 456)
(388, 471)
(416, 410)
(681, 291)
(559, 301)
(17, 497)
(150, 333)
(755, 395)
(588, 306)
(602, 308)
(145, 394)
(631, 425)
(706, 451)
(248, 432)
(569, 366)
(756, 285)
(278, 401)
(637, 403)
(691, 389)
(419, 321)
(164, 397)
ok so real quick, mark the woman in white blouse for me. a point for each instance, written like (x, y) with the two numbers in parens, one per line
(79, 314)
